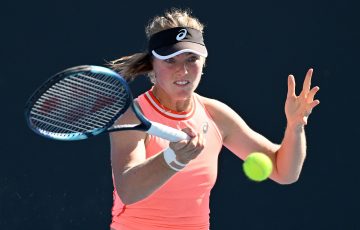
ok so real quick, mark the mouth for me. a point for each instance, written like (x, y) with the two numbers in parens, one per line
(181, 82)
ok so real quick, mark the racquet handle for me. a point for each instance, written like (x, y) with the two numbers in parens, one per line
(167, 133)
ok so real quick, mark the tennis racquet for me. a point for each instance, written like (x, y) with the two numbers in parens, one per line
(85, 101)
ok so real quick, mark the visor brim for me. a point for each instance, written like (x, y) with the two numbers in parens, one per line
(179, 48)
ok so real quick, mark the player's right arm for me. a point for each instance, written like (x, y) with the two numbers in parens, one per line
(135, 176)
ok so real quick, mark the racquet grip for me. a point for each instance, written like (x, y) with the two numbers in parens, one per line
(167, 133)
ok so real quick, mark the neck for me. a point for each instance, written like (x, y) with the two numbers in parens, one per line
(177, 105)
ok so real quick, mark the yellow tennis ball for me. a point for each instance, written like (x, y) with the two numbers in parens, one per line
(257, 166)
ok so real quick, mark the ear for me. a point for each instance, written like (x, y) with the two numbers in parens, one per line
(204, 65)
(152, 77)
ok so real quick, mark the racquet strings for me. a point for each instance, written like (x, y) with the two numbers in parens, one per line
(79, 103)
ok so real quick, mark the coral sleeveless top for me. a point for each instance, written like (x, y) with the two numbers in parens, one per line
(183, 201)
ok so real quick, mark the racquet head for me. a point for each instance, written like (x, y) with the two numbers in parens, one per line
(78, 103)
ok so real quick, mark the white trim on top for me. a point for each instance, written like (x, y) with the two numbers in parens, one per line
(170, 114)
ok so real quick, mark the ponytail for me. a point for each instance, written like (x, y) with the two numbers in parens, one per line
(133, 66)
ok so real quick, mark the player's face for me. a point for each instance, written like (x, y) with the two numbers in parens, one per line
(178, 77)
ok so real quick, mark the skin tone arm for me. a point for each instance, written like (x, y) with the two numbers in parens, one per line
(291, 155)
(288, 158)
(137, 177)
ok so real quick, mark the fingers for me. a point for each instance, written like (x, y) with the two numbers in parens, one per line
(314, 104)
(188, 150)
(299, 108)
(308, 111)
(196, 146)
(307, 81)
(291, 86)
(306, 84)
(191, 133)
(312, 93)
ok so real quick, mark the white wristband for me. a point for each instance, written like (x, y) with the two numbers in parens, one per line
(170, 159)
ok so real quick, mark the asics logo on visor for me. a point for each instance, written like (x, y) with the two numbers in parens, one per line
(181, 35)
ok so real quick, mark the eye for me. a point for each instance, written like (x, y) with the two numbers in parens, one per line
(170, 60)
(193, 58)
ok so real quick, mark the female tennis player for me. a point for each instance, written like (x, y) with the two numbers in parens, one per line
(162, 185)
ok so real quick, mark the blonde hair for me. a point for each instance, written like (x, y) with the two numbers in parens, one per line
(141, 63)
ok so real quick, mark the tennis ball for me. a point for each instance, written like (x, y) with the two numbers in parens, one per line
(257, 166)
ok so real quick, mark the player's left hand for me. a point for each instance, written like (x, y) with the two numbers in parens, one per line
(298, 108)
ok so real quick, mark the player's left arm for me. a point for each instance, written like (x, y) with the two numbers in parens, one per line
(291, 155)
(238, 137)
(288, 157)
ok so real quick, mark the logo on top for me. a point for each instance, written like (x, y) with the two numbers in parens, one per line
(181, 35)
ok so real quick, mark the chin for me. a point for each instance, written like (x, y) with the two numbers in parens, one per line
(183, 95)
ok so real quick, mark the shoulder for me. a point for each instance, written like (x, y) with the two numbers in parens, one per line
(221, 113)
(216, 108)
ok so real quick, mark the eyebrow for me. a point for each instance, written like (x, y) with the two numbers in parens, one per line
(189, 54)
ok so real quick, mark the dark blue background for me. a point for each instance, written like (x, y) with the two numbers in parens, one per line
(253, 46)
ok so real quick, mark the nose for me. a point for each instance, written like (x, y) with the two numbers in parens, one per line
(183, 69)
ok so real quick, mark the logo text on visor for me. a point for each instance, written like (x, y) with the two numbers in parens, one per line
(181, 35)
(174, 41)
